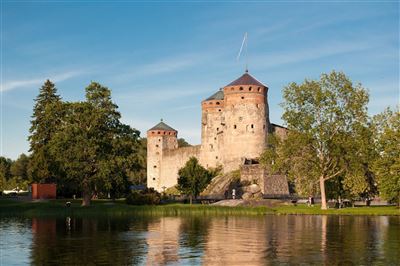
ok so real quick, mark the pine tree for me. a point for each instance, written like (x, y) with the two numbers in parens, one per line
(45, 120)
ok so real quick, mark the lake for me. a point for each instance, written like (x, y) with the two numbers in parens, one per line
(202, 240)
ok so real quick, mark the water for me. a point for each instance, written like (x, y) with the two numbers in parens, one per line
(201, 240)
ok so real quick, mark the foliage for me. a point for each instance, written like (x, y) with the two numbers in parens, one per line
(173, 191)
(19, 172)
(146, 197)
(387, 164)
(323, 118)
(193, 178)
(45, 121)
(5, 175)
(94, 149)
(183, 143)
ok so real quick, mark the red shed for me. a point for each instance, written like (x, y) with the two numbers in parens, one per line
(44, 191)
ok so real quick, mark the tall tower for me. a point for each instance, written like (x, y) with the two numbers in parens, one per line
(212, 129)
(161, 137)
(246, 120)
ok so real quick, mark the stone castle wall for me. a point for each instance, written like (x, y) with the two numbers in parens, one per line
(172, 161)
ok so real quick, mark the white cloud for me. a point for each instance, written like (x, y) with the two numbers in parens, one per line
(16, 84)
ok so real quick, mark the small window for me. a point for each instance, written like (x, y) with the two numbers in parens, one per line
(263, 126)
(242, 97)
(157, 146)
(241, 88)
(215, 138)
(257, 105)
(252, 126)
(165, 132)
(234, 126)
(158, 132)
(232, 89)
(216, 157)
(210, 102)
(217, 128)
(159, 140)
(259, 89)
(217, 103)
(154, 166)
(211, 146)
(250, 89)
(219, 110)
(154, 178)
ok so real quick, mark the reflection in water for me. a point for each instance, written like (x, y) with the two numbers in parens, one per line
(202, 240)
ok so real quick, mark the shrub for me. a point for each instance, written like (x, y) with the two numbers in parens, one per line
(145, 197)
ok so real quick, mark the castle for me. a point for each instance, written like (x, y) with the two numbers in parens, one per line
(234, 127)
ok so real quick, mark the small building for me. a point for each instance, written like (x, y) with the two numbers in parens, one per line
(44, 191)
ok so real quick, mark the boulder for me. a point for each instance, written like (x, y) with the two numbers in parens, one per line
(254, 188)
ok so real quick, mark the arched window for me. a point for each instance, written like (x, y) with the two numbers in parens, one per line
(241, 88)
(259, 89)
(249, 88)
(217, 103)
(252, 126)
(234, 126)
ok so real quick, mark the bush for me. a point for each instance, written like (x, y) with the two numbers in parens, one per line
(145, 197)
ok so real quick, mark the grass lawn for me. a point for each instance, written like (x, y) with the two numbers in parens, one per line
(119, 208)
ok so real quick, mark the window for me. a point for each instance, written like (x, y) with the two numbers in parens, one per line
(211, 146)
(215, 138)
(259, 89)
(249, 88)
(232, 89)
(241, 88)
(242, 97)
(217, 128)
(219, 110)
(157, 146)
(234, 126)
(217, 103)
(158, 132)
(154, 178)
(159, 140)
(216, 157)
(154, 166)
(252, 126)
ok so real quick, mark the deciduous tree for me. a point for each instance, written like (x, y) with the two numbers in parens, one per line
(387, 164)
(193, 178)
(323, 117)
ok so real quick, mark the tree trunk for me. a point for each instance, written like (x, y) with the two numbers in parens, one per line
(323, 196)
(86, 198)
(190, 199)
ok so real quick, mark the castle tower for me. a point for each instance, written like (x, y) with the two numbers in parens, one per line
(246, 120)
(160, 138)
(212, 123)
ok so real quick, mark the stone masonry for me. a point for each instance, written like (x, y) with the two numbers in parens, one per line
(234, 127)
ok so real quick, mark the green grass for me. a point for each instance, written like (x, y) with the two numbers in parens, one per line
(119, 208)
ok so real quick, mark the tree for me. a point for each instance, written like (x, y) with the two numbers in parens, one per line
(5, 175)
(45, 120)
(19, 171)
(193, 178)
(387, 164)
(183, 143)
(93, 148)
(323, 117)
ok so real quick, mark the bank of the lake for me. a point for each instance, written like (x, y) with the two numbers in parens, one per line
(119, 207)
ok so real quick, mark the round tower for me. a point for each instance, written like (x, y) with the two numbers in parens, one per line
(212, 129)
(246, 120)
(159, 138)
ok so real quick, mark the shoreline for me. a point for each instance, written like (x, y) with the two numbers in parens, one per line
(13, 208)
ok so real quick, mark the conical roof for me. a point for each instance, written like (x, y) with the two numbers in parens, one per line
(246, 79)
(219, 95)
(162, 126)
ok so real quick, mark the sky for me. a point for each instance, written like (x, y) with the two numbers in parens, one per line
(162, 58)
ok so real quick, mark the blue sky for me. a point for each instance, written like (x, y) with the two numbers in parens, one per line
(161, 59)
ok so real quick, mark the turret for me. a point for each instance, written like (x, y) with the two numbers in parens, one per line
(161, 137)
(212, 129)
(246, 120)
